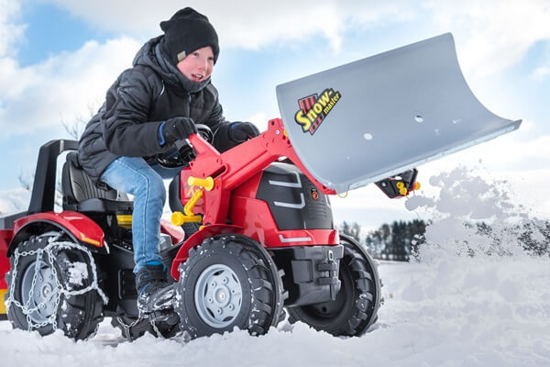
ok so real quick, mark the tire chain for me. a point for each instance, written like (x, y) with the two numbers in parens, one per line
(59, 289)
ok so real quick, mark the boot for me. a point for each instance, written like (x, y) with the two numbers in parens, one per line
(154, 293)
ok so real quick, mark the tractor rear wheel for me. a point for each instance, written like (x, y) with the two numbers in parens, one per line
(229, 281)
(53, 285)
(356, 305)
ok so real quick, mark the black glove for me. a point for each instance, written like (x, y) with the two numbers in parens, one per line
(241, 131)
(176, 128)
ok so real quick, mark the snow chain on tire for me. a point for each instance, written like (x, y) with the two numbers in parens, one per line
(59, 290)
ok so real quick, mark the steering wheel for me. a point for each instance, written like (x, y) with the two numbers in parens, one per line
(205, 132)
(180, 157)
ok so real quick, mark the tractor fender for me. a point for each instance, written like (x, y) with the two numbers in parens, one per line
(79, 227)
(196, 239)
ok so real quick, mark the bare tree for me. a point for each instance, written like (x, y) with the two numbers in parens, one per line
(76, 128)
(25, 180)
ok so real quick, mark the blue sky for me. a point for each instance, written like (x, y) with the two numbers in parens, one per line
(51, 30)
(58, 57)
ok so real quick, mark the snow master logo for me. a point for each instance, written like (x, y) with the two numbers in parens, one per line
(314, 109)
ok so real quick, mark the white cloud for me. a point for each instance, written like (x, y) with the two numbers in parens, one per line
(490, 36)
(61, 88)
(518, 149)
(493, 34)
(244, 23)
(10, 31)
(541, 73)
(13, 201)
(259, 119)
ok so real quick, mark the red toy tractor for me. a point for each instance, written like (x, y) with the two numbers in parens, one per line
(266, 242)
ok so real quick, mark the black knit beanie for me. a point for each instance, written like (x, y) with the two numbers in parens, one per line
(187, 31)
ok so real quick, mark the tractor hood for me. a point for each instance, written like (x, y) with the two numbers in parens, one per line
(374, 118)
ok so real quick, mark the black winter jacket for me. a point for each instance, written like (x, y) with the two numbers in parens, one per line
(142, 97)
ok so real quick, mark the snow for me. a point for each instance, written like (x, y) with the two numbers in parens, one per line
(454, 312)
(469, 301)
(78, 272)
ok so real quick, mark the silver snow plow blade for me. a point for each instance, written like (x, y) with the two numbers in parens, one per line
(377, 117)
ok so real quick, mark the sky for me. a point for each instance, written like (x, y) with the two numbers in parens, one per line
(58, 57)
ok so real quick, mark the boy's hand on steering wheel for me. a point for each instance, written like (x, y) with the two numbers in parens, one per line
(174, 129)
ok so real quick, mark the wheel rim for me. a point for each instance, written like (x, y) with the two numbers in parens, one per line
(43, 294)
(218, 296)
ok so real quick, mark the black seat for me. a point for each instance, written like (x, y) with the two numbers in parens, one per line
(82, 195)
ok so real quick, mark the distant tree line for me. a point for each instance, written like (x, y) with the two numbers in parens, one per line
(398, 241)
(401, 240)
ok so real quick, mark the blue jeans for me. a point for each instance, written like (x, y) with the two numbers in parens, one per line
(132, 175)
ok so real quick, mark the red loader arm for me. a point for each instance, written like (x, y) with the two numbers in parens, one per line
(235, 166)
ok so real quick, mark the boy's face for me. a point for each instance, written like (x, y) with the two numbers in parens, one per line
(198, 65)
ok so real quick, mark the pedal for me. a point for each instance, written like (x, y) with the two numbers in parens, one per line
(165, 298)
(168, 316)
(162, 301)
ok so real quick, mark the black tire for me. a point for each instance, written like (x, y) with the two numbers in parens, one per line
(356, 305)
(78, 315)
(221, 267)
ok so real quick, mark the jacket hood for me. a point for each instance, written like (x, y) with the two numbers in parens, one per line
(152, 56)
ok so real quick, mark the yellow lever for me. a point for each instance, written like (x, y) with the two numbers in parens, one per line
(207, 183)
(178, 218)
(188, 208)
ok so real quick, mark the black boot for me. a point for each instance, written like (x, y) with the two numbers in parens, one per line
(154, 293)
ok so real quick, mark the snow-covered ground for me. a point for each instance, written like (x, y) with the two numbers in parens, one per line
(453, 312)
(449, 309)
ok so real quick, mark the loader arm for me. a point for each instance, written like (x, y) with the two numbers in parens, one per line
(237, 165)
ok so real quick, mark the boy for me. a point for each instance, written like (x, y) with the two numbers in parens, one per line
(149, 107)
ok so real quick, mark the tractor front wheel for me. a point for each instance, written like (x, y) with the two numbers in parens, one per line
(228, 281)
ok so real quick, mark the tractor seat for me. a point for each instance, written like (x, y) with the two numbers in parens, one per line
(80, 194)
